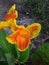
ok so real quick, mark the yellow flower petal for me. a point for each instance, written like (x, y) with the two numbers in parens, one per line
(34, 29)
(4, 24)
(16, 13)
(13, 25)
(12, 9)
(12, 38)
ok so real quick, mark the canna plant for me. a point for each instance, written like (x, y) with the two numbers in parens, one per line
(20, 37)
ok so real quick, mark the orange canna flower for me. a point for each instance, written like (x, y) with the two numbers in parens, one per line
(12, 13)
(9, 20)
(22, 36)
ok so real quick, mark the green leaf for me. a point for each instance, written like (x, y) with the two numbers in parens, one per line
(3, 42)
(7, 48)
(23, 55)
(2, 53)
(10, 58)
(13, 50)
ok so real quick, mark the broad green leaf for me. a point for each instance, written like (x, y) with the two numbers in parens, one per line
(2, 53)
(7, 48)
(23, 55)
(10, 59)
(3, 42)
(13, 50)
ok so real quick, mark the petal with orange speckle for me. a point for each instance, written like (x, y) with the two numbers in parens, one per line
(34, 29)
(12, 13)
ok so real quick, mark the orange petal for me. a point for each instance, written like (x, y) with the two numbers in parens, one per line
(13, 25)
(21, 38)
(11, 15)
(23, 43)
(34, 29)
(12, 38)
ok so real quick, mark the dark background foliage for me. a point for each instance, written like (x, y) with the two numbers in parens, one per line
(39, 9)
